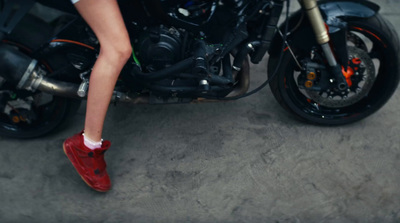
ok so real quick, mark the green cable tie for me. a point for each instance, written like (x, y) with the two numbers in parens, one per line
(134, 57)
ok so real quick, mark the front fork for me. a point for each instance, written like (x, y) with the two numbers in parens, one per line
(322, 36)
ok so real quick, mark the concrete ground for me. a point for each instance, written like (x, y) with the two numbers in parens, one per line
(242, 161)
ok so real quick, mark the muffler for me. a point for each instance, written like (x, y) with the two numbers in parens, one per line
(21, 70)
(13, 64)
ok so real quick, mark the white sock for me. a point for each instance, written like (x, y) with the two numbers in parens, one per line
(90, 143)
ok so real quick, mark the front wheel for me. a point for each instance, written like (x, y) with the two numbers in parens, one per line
(372, 76)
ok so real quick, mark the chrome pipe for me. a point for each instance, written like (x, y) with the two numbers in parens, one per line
(35, 78)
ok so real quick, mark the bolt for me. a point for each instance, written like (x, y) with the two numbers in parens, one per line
(311, 76)
(203, 82)
(16, 119)
(250, 46)
(309, 84)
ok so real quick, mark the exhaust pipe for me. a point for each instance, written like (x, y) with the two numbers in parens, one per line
(34, 79)
(23, 71)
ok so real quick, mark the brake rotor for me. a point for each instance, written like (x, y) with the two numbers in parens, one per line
(360, 76)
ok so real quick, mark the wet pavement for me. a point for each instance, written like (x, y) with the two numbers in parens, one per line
(241, 161)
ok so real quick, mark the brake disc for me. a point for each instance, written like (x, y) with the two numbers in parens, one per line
(362, 81)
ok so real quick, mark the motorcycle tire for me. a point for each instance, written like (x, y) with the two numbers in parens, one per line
(30, 34)
(378, 39)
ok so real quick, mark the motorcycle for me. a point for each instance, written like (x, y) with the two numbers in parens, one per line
(330, 63)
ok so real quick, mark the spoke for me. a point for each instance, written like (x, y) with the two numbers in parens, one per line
(373, 55)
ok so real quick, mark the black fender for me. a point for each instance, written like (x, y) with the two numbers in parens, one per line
(332, 11)
(347, 8)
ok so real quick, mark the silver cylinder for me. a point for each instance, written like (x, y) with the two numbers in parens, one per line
(83, 88)
(317, 22)
(59, 88)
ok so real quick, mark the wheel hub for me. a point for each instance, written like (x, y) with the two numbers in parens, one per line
(360, 76)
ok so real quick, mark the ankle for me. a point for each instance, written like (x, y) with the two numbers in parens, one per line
(91, 144)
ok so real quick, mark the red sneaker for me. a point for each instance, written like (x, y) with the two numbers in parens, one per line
(89, 163)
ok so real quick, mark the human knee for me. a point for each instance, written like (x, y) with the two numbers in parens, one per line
(117, 52)
(125, 51)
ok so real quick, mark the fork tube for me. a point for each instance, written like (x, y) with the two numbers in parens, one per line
(317, 22)
(321, 33)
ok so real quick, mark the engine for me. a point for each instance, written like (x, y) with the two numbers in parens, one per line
(159, 47)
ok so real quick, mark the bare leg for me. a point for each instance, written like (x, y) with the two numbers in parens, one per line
(104, 17)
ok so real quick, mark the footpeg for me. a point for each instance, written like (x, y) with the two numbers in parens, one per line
(83, 88)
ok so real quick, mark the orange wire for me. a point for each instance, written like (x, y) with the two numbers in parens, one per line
(74, 42)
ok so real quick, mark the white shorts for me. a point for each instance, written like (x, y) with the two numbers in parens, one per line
(74, 1)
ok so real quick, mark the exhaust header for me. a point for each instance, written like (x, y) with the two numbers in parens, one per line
(23, 72)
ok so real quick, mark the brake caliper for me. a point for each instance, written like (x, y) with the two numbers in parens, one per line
(352, 69)
(18, 110)
(313, 77)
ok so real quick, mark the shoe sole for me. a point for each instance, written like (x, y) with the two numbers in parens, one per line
(65, 152)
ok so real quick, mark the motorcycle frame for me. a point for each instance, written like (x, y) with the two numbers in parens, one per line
(257, 48)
